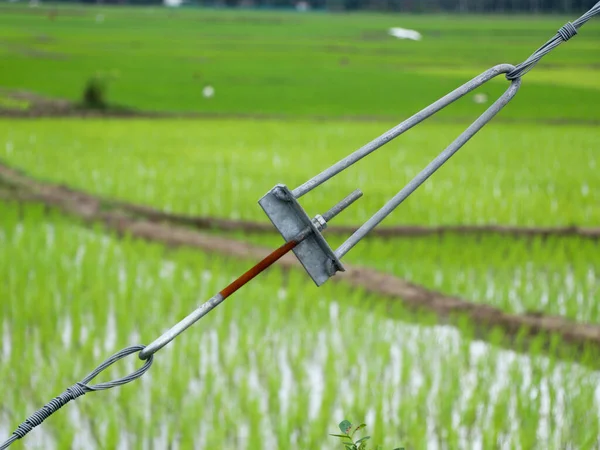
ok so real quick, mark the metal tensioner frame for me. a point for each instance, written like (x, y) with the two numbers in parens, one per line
(289, 218)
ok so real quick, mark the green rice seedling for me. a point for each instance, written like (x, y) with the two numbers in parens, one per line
(322, 353)
(533, 280)
(298, 66)
(501, 167)
(501, 271)
(489, 270)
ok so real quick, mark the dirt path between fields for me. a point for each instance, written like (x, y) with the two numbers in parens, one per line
(18, 187)
(228, 225)
(36, 106)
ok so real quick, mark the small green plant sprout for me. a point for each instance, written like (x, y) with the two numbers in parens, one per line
(348, 435)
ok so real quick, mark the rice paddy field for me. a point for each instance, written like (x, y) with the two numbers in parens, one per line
(273, 368)
(222, 167)
(282, 362)
(293, 64)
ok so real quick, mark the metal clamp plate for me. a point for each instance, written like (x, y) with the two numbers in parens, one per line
(314, 253)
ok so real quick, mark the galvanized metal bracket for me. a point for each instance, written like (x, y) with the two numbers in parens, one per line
(288, 216)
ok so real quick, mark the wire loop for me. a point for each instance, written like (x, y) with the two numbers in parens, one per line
(77, 390)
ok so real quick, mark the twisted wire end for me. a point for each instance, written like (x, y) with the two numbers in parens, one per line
(77, 390)
(567, 31)
(564, 33)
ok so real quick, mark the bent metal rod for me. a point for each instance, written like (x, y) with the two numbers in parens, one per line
(303, 235)
(319, 223)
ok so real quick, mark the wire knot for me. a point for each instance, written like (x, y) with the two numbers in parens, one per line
(567, 31)
(77, 390)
